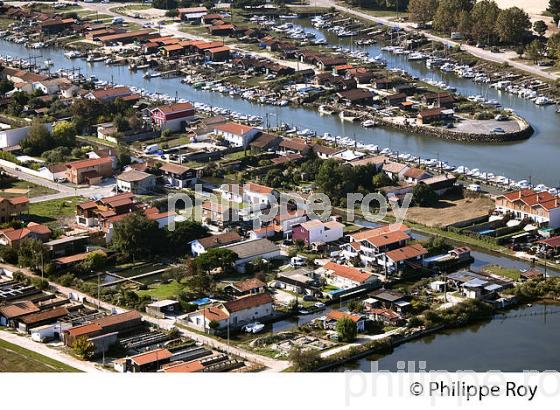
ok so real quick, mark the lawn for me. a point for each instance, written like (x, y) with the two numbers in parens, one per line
(130, 7)
(511, 273)
(18, 188)
(162, 291)
(49, 211)
(14, 358)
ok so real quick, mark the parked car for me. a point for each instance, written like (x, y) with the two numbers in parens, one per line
(254, 327)
(474, 188)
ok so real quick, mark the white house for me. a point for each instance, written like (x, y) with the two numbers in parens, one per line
(232, 192)
(248, 251)
(394, 260)
(315, 231)
(541, 207)
(238, 135)
(137, 182)
(260, 195)
(395, 170)
(200, 246)
(345, 277)
(13, 136)
(234, 313)
(285, 222)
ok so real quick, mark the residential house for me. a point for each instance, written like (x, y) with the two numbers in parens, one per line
(248, 251)
(245, 287)
(335, 315)
(109, 94)
(233, 314)
(178, 175)
(10, 313)
(265, 142)
(540, 207)
(374, 247)
(163, 308)
(415, 175)
(301, 281)
(390, 299)
(137, 182)
(395, 170)
(219, 214)
(90, 171)
(238, 135)
(284, 222)
(294, 146)
(200, 246)
(258, 195)
(395, 100)
(346, 277)
(12, 237)
(192, 14)
(358, 96)
(149, 361)
(174, 117)
(92, 213)
(316, 231)
(397, 260)
(11, 208)
(440, 184)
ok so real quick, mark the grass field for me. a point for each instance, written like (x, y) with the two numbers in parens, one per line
(162, 291)
(19, 188)
(511, 273)
(49, 211)
(14, 358)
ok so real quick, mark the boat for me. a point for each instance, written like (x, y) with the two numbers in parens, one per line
(288, 16)
(151, 75)
(48, 62)
(368, 123)
(323, 109)
(254, 327)
(347, 116)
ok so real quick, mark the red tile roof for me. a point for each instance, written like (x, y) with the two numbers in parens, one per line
(347, 272)
(83, 330)
(151, 357)
(358, 236)
(247, 302)
(257, 188)
(533, 199)
(17, 309)
(388, 238)
(88, 163)
(233, 128)
(191, 367)
(336, 315)
(407, 252)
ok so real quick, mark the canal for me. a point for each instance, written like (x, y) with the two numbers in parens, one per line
(535, 157)
(520, 339)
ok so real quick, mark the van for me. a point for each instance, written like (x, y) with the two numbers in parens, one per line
(151, 149)
(474, 188)
(117, 20)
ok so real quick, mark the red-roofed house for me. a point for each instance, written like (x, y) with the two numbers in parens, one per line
(11, 208)
(256, 194)
(173, 117)
(346, 277)
(335, 315)
(396, 260)
(238, 135)
(13, 237)
(89, 171)
(540, 207)
(109, 94)
(234, 313)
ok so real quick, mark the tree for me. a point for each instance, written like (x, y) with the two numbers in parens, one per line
(304, 360)
(184, 233)
(540, 27)
(38, 139)
(447, 15)
(6, 86)
(553, 46)
(535, 51)
(94, 262)
(83, 348)
(483, 17)
(137, 235)
(554, 10)
(464, 22)
(346, 329)
(437, 244)
(422, 10)
(32, 254)
(165, 4)
(64, 134)
(424, 196)
(216, 258)
(355, 306)
(513, 25)
(380, 180)
(121, 123)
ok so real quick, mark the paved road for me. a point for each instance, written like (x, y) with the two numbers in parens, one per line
(63, 191)
(45, 350)
(272, 365)
(507, 57)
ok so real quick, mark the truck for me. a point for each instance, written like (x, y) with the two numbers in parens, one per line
(151, 149)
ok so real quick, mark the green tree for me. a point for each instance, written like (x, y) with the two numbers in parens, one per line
(346, 329)
(83, 348)
(355, 306)
(553, 46)
(422, 10)
(216, 258)
(184, 233)
(32, 254)
(6, 86)
(64, 134)
(424, 196)
(137, 235)
(448, 12)
(513, 25)
(94, 262)
(554, 10)
(304, 360)
(540, 27)
(535, 51)
(464, 22)
(483, 16)
(38, 139)
(121, 123)
(380, 180)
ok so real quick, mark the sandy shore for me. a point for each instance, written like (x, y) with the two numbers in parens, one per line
(534, 8)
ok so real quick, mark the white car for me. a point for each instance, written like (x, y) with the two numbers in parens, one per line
(254, 327)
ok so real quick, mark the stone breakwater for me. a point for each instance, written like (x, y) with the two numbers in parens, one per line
(525, 131)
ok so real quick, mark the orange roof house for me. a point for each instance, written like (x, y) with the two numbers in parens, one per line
(540, 207)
